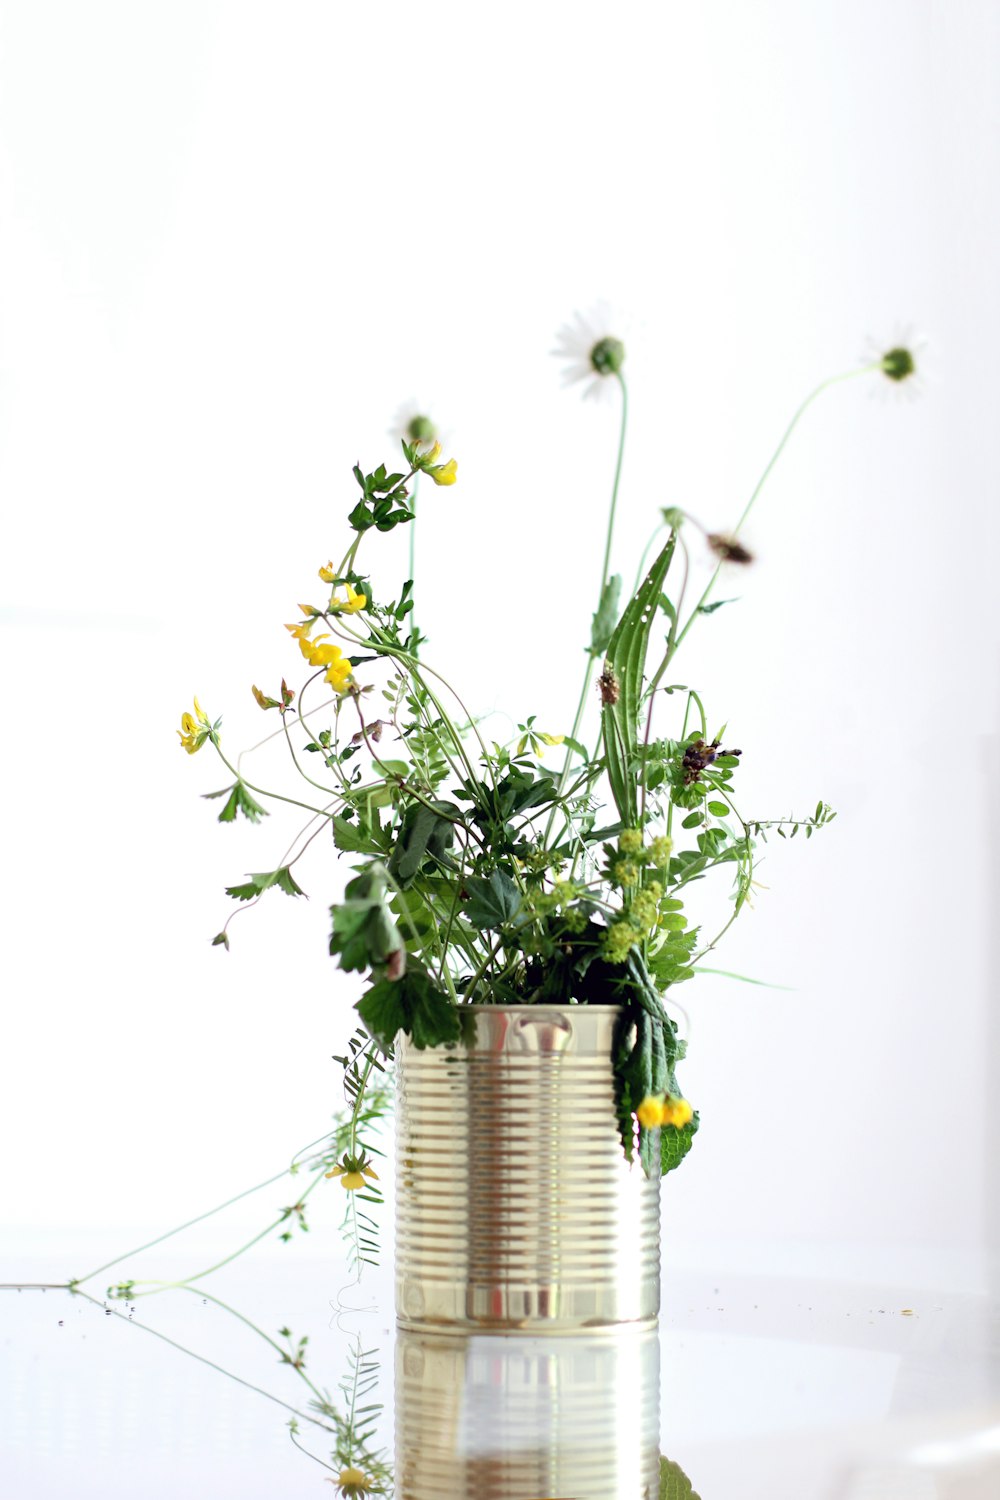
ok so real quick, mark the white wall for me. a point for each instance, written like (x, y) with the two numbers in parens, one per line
(233, 239)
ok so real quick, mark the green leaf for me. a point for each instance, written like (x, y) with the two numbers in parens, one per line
(493, 901)
(674, 1483)
(676, 1143)
(239, 800)
(427, 832)
(246, 892)
(575, 745)
(286, 882)
(626, 659)
(693, 819)
(349, 838)
(256, 884)
(364, 932)
(412, 1004)
(745, 978)
(719, 809)
(603, 624)
(709, 609)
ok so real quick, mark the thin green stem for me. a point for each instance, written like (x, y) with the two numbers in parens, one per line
(413, 549)
(824, 385)
(162, 1286)
(605, 565)
(218, 1209)
(275, 796)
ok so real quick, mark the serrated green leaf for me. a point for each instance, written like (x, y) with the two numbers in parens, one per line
(412, 1004)
(493, 901)
(285, 881)
(349, 838)
(246, 892)
(674, 1483)
(241, 801)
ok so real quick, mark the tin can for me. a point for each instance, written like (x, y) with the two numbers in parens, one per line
(516, 1210)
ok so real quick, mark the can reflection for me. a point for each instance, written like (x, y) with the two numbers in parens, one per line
(518, 1418)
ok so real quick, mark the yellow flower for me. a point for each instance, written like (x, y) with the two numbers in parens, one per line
(663, 1109)
(195, 729)
(318, 654)
(301, 631)
(676, 1112)
(327, 574)
(352, 603)
(444, 473)
(650, 1112)
(352, 1484)
(352, 1171)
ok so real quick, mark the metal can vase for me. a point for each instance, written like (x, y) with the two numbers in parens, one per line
(516, 1210)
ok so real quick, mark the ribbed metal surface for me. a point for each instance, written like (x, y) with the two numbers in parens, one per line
(485, 1418)
(515, 1207)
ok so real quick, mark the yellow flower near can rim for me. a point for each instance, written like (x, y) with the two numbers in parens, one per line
(663, 1109)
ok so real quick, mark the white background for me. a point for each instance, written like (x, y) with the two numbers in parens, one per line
(233, 240)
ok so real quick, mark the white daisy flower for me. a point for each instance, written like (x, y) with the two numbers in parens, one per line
(592, 349)
(901, 360)
(411, 424)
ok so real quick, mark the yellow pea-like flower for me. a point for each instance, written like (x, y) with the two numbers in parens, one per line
(195, 729)
(444, 473)
(352, 603)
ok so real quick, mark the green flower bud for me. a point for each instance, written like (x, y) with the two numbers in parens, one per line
(898, 364)
(421, 430)
(608, 356)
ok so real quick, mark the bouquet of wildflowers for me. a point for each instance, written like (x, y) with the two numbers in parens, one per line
(478, 875)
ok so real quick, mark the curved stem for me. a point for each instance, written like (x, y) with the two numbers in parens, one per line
(824, 385)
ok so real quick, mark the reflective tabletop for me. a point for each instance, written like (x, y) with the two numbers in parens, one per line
(279, 1373)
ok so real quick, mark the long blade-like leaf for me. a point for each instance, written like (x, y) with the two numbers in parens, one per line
(626, 661)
